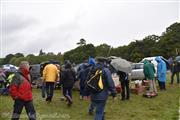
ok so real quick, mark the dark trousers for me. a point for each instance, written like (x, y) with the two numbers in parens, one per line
(67, 92)
(177, 77)
(82, 90)
(18, 106)
(86, 92)
(49, 90)
(125, 89)
(162, 85)
(43, 90)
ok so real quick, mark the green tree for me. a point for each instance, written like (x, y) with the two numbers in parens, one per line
(14, 61)
(7, 59)
(32, 59)
(41, 52)
(103, 50)
(19, 55)
(1, 61)
(80, 53)
(169, 42)
(82, 42)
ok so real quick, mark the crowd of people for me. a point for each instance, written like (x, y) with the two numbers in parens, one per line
(19, 84)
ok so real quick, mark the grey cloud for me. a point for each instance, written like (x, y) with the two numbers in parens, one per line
(112, 22)
(53, 39)
(11, 27)
(50, 40)
(15, 23)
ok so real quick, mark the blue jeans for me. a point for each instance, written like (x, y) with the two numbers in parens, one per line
(99, 105)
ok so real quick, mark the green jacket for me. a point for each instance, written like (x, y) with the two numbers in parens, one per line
(148, 70)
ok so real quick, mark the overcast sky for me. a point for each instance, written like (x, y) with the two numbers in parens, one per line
(57, 25)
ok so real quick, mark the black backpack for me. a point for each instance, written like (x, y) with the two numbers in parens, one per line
(95, 81)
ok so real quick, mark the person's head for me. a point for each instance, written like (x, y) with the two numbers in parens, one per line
(24, 66)
(85, 61)
(68, 65)
(66, 62)
(102, 60)
(145, 61)
(158, 59)
(91, 61)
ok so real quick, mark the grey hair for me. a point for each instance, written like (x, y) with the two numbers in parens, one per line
(24, 64)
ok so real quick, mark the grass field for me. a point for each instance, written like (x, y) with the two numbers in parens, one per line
(163, 107)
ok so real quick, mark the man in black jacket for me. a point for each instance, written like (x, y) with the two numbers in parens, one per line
(123, 78)
(175, 71)
(68, 78)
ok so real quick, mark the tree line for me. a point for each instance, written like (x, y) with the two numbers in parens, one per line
(166, 45)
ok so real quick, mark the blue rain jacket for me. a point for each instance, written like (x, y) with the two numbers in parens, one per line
(161, 69)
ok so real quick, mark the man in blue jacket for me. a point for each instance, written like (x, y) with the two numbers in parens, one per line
(161, 73)
(82, 75)
(98, 100)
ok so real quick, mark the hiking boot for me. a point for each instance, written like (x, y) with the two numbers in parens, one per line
(47, 99)
(122, 99)
(69, 103)
(50, 100)
(62, 98)
(43, 96)
(127, 98)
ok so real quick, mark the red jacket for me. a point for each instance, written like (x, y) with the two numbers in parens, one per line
(20, 88)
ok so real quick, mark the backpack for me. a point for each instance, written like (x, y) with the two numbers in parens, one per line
(9, 79)
(95, 81)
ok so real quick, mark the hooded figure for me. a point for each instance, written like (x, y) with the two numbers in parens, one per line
(99, 100)
(68, 78)
(91, 61)
(161, 72)
(161, 69)
(149, 72)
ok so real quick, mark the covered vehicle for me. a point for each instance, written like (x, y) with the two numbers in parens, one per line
(153, 61)
(137, 71)
(10, 68)
(178, 63)
(35, 71)
(177, 58)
